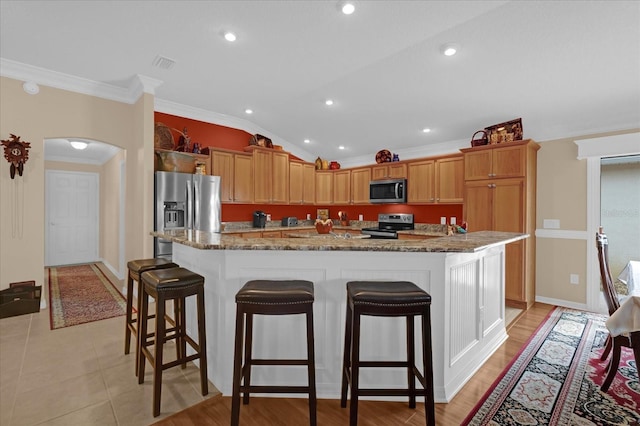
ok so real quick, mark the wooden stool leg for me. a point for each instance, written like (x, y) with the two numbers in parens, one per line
(411, 360)
(139, 337)
(202, 344)
(142, 334)
(237, 368)
(180, 307)
(248, 358)
(157, 359)
(129, 318)
(427, 360)
(346, 360)
(311, 369)
(355, 368)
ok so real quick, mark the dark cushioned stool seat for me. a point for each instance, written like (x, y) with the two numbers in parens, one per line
(137, 267)
(387, 299)
(269, 297)
(175, 284)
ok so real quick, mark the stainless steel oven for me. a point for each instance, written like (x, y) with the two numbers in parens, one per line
(389, 224)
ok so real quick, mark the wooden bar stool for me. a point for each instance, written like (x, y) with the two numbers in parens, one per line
(175, 284)
(387, 299)
(137, 267)
(263, 297)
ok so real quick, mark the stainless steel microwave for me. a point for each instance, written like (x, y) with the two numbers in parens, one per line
(388, 191)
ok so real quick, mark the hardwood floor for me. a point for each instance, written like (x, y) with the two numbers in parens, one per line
(294, 411)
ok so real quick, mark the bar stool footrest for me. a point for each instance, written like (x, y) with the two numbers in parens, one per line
(279, 362)
(275, 389)
(389, 392)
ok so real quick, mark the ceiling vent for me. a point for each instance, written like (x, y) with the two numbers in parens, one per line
(163, 62)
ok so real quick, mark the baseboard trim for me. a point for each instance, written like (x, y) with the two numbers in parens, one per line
(561, 302)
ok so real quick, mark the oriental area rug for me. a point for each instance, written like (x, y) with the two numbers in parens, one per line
(82, 293)
(556, 378)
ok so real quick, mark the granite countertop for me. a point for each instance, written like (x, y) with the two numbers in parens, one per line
(458, 243)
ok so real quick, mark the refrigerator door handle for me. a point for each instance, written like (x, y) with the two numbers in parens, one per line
(197, 205)
(189, 212)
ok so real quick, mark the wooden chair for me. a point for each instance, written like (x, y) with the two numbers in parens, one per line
(614, 344)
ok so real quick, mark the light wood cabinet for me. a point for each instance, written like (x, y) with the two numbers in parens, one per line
(495, 161)
(438, 180)
(360, 179)
(270, 176)
(236, 176)
(342, 187)
(302, 183)
(449, 180)
(324, 187)
(505, 200)
(421, 182)
(392, 170)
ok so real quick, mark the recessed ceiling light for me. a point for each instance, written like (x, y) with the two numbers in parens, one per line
(248, 111)
(328, 102)
(78, 144)
(426, 130)
(307, 141)
(229, 36)
(346, 7)
(449, 49)
(341, 147)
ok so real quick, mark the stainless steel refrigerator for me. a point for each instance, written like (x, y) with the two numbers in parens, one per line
(185, 201)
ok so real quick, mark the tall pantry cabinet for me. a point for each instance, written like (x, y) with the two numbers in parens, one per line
(500, 195)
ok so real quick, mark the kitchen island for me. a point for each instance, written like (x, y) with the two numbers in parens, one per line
(463, 273)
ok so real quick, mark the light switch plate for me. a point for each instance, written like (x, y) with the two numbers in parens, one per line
(551, 223)
(574, 279)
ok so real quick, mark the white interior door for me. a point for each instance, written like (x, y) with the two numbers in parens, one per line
(72, 217)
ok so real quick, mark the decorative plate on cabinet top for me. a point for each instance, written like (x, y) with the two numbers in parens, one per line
(383, 156)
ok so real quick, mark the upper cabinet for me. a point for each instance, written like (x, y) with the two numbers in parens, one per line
(302, 183)
(360, 179)
(393, 170)
(449, 180)
(270, 176)
(324, 187)
(236, 175)
(486, 162)
(342, 187)
(421, 182)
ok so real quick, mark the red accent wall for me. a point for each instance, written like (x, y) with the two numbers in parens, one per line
(206, 134)
(213, 135)
(422, 214)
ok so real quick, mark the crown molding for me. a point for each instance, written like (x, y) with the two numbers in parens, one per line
(138, 84)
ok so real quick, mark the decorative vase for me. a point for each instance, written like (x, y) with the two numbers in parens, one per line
(324, 228)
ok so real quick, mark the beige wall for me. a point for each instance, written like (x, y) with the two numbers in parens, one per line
(55, 113)
(562, 195)
(110, 212)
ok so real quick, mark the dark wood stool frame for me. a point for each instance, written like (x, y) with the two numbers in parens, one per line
(351, 358)
(160, 285)
(136, 268)
(242, 371)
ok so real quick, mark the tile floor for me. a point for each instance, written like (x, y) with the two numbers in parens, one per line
(80, 376)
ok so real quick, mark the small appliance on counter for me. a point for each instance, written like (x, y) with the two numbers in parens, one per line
(390, 224)
(289, 221)
(259, 219)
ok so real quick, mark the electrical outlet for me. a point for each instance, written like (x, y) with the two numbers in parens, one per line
(360, 217)
(443, 220)
(453, 220)
(574, 279)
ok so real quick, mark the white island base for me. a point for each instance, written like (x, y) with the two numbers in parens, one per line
(467, 313)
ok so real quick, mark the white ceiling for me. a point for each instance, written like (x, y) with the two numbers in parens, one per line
(567, 68)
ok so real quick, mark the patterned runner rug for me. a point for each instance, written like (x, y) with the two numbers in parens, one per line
(82, 293)
(556, 378)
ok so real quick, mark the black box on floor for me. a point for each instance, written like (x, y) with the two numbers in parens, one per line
(19, 299)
